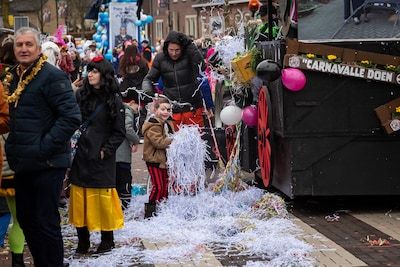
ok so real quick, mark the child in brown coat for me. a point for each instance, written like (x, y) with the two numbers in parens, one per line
(155, 131)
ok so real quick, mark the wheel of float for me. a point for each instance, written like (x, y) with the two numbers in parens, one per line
(263, 132)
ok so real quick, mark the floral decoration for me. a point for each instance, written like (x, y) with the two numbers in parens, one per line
(396, 113)
(98, 59)
(331, 57)
(310, 56)
(366, 63)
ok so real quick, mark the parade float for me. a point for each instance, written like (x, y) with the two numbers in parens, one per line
(328, 126)
(328, 108)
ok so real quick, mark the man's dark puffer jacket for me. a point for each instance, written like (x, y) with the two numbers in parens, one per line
(43, 122)
(179, 77)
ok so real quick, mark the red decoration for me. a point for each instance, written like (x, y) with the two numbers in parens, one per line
(98, 59)
(264, 147)
(254, 5)
(230, 135)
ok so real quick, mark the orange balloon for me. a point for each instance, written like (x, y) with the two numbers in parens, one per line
(254, 5)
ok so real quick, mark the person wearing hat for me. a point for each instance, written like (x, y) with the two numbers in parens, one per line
(122, 36)
(263, 28)
(91, 52)
(146, 51)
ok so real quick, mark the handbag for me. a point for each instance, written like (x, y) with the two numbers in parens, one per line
(77, 134)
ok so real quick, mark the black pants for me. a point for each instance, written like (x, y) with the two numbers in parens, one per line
(347, 9)
(36, 196)
(356, 4)
(124, 183)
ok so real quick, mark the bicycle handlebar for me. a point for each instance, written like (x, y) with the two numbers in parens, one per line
(172, 102)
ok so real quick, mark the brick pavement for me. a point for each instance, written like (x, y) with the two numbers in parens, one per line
(340, 243)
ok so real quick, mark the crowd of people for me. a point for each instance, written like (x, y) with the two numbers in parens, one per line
(63, 115)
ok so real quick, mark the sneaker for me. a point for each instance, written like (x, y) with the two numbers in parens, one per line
(141, 141)
(356, 20)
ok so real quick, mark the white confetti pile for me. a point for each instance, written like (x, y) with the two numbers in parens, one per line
(188, 226)
(186, 156)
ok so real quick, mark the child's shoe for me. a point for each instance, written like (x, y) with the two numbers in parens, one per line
(149, 210)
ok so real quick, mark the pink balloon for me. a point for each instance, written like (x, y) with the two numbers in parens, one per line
(250, 116)
(293, 79)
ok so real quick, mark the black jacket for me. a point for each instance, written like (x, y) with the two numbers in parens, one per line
(179, 77)
(103, 133)
(43, 122)
(134, 80)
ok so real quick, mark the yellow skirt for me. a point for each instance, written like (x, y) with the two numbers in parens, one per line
(99, 209)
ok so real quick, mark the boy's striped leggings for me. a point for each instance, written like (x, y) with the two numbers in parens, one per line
(159, 181)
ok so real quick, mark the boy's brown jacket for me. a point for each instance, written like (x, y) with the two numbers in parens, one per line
(156, 141)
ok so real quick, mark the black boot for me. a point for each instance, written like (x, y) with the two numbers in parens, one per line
(149, 210)
(83, 240)
(17, 259)
(107, 242)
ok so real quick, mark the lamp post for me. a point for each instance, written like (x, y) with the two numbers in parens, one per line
(169, 16)
(56, 13)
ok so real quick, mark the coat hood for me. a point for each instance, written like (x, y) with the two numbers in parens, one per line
(177, 38)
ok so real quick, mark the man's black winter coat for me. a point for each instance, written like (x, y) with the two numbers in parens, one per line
(43, 122)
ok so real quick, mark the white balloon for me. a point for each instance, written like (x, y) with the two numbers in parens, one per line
(104, 37)
(231, 115)
(143, 17)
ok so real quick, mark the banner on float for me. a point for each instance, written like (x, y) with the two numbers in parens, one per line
(122, 18)
(295, 61)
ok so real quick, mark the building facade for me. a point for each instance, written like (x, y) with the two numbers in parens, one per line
(196, 18)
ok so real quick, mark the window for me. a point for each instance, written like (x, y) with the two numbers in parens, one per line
(191, 25)
(159, 29)
(20, 21)
(175, 21)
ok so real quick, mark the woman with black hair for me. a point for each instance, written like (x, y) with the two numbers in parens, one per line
(94, 202)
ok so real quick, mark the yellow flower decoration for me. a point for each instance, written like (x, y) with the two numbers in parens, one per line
(398, 109)
(390, 67)
(331, 57)
(366, 62)
(309, 55)
(14, 97)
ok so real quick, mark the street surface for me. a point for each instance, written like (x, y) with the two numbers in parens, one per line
(327, 22)
(351, 231)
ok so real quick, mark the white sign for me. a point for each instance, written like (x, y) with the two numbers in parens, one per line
(122, 27)
(342, 69)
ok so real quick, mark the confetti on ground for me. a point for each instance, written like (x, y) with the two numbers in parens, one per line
(188, 226)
